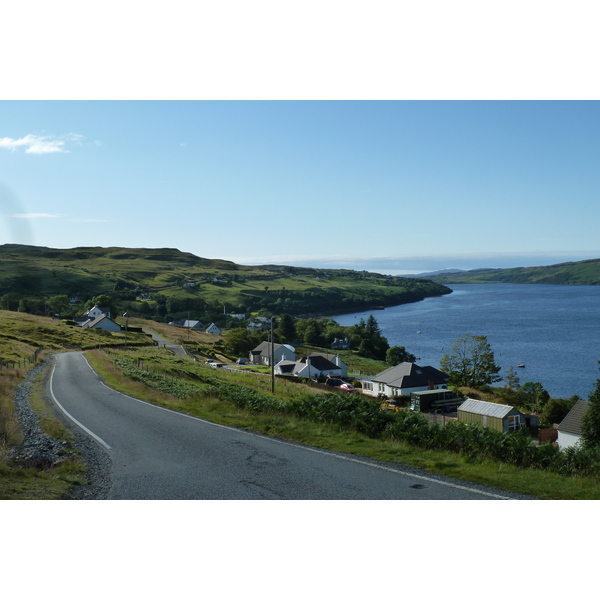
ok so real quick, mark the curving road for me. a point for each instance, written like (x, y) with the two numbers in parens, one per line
(161, 454)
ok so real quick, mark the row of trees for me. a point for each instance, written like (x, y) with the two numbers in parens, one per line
(365, 337)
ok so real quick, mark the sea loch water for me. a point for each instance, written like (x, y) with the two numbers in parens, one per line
(553, 330)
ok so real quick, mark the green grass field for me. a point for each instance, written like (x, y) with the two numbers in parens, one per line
(175, 385)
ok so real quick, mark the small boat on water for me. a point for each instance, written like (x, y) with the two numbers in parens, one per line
(521, 366)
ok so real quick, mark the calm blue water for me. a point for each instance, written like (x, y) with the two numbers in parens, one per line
(553, 330)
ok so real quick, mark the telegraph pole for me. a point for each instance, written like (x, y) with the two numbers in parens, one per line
(272, 359)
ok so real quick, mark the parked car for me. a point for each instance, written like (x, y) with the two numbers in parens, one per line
(346, 387)
(334, 382)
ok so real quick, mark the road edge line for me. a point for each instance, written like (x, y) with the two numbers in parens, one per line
(71, 417)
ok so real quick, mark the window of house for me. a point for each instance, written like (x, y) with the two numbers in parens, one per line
(514, 423)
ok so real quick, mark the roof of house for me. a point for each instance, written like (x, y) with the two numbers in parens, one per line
(97, 320)
(572, 422)
(287, 366)
(104, 309)
(409, 375)
(264, 348)
(317, 361)
(191, 323)
(489, 409)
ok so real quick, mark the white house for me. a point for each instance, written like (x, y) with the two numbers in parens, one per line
(102, 322)
(261, 355)
(96, 311)
(569, 429)
(405, 378)
(212, 328)
(259, 324)
(316, 365)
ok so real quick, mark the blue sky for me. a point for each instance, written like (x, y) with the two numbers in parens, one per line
(390, 186)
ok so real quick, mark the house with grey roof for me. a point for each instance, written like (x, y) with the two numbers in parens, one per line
(102, 322)
(261, 355)
(315, 365)
(340, 344)
(405, 378)
(569, 429)
(214, 329)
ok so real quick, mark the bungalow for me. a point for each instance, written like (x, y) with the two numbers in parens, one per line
(500, 417)
(341, 368)
(192, 324)
(569, 429)
(261, 355)
(405, 378)
(102, 322)
(315, 365)
(340, 344)
(212, 328)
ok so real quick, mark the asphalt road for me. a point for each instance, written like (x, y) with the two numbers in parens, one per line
(161, 454)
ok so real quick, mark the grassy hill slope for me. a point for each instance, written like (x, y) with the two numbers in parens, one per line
(585, 272)
(167, 273)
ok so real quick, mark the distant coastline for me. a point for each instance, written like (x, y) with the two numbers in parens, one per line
(584, 272)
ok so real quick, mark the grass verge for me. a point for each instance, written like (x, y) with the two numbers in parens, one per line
(534, 482)
(20, 483)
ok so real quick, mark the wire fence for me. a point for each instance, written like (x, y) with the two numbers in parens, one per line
(21, 362)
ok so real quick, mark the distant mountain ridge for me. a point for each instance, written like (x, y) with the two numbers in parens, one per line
(584, 272)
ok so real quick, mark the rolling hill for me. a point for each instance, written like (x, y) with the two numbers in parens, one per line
(584, 272)
(168, 281)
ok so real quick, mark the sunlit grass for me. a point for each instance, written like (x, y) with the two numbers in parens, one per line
(532, 482)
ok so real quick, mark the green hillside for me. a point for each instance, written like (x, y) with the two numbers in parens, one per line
(167, 281)
(585, 272)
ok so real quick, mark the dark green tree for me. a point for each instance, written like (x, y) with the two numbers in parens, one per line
(240, 341)
(511, 379)
(372, 327)
(286, 330)
(397, 354)
(590, 423)
(537, 396)
(312, 333)
(556, 409)
(59, 305)
(472, 363)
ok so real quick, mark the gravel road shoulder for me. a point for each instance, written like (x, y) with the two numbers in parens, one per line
(42, 451)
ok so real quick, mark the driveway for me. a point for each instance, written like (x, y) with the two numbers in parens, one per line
(177, 349)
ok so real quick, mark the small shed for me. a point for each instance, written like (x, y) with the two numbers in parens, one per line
(500, 417)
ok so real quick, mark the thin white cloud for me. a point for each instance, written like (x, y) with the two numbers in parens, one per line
(36, 216)
(89, 220)
(40, 144)
(59, 216)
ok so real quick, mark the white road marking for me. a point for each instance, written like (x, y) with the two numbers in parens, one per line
(70, 416)
(308, 448)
